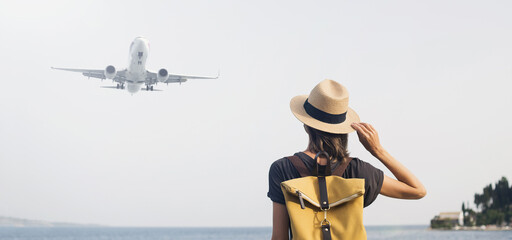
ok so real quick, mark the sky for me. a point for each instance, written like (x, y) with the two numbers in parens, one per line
(433, 77)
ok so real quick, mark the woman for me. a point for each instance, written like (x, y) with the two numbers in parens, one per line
(328, 120)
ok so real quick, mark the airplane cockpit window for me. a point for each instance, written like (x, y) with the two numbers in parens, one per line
(140, 54)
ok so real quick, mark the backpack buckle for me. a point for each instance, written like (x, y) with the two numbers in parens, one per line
(325, 219)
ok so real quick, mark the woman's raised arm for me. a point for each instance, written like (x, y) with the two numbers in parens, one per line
(407, 186)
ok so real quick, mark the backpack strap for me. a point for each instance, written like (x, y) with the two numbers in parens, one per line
(326, 232)
(321, 172)
(300, 166)
(341, 168)
(304, 171)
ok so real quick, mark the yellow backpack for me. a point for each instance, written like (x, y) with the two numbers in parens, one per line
(323, 206)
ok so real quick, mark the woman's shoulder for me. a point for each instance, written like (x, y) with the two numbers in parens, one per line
(357, 161)
(284, 161)
(360, 168)
(279, 163)
(284, 168)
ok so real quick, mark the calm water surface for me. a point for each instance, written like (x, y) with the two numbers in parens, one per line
(86, 233)
(423, 233)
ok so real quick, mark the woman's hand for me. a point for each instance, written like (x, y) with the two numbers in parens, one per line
(369, 137)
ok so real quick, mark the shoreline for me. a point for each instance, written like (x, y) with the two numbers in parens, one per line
(474, 228)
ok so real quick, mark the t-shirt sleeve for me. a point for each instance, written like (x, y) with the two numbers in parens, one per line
(373, 179)
(275, 177)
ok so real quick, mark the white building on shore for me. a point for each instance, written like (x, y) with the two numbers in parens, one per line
(448, 219)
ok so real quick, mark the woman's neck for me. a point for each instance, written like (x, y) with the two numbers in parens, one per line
(321, 160)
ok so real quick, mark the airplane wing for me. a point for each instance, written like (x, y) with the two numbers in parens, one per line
(96, 73)
(175, 78)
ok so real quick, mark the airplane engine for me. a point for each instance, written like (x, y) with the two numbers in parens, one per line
(110, 72)
(162, 75)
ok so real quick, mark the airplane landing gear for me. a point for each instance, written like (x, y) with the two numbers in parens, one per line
(149, 88)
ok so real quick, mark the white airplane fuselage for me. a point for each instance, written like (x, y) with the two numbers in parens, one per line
(136, 71)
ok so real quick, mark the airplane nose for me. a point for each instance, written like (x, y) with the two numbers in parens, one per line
(140, 46)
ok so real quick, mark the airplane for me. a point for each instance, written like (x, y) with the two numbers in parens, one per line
(136, 74)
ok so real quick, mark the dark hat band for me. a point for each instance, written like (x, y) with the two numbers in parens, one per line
(323, 116)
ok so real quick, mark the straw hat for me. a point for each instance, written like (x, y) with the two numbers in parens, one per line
(325, 108)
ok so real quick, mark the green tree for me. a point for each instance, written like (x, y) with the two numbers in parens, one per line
(501, 195)
(495, 204)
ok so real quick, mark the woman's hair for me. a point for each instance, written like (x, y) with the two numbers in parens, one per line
(334, 144)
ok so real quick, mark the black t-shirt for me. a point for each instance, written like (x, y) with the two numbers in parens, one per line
(283, 170)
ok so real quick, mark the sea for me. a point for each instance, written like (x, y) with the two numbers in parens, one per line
(238, 233)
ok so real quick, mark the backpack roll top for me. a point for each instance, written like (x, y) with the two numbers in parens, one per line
(344, 216)
(340, 190)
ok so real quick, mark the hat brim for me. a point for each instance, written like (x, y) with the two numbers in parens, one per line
(297, 107)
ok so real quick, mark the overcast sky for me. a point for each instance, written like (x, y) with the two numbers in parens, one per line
(433, 77)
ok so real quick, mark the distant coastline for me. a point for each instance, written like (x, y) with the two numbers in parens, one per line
(474, 228)
(20, 222)
(493, 211)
